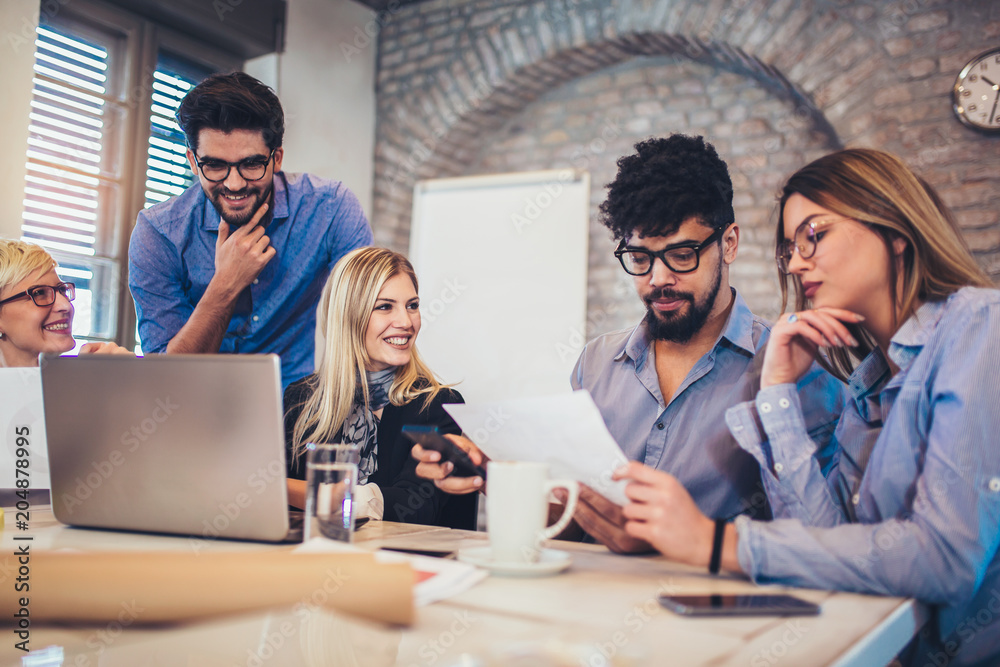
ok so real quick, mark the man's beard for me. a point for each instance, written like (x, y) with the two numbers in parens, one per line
(244, 217)
(678, 326)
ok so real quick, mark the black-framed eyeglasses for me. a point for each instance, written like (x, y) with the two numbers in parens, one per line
(804, 241)
(679, 258)
(44, 295)
(250, 169)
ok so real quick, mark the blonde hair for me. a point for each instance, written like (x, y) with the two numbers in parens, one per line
(878, 190)
(18, 260)
(345, 307)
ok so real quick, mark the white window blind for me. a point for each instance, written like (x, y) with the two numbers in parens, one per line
(73, 170)
(167, 170)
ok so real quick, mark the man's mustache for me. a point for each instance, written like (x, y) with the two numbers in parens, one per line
(665, 293)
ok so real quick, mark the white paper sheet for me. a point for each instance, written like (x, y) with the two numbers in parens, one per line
(21, 412)
(566, 431)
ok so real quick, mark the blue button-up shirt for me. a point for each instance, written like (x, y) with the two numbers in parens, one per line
(911, 506)
(686, 435)
(172, 260)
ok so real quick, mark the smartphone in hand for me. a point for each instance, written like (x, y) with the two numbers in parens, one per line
(429, 437)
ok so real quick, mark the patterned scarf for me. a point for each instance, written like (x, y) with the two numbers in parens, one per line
(361, 425)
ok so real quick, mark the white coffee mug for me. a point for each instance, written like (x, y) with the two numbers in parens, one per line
(517, 503)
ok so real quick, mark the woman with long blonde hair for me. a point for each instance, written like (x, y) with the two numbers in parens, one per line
(369, 384)
(889, 297)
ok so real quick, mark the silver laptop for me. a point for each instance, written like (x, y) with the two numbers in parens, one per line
(184, 444)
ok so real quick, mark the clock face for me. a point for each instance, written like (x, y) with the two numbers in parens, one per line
(977, 92)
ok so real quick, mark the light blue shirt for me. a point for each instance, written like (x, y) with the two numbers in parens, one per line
(686, 435)
(911, 506)
(172, 260)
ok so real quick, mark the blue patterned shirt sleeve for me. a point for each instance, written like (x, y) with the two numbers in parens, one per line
(791, 467)
(158, 285)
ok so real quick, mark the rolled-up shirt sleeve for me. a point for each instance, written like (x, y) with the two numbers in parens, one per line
(156, 280)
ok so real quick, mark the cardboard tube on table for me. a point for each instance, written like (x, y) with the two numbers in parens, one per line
(165, 587)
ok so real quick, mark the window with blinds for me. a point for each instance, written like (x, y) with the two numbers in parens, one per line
(73, 171)
(167, 171)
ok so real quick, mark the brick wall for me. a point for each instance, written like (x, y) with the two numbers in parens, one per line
(470, 87)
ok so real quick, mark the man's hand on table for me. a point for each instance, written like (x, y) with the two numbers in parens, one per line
(605, 522)
(430, 467)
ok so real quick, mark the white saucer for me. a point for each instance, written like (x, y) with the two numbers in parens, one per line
(549, 562)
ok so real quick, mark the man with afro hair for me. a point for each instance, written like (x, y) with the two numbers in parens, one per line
(663, 386)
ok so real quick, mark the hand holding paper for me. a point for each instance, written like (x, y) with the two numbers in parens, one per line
(565, 431)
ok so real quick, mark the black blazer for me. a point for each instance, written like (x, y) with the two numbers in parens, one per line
(408, 498)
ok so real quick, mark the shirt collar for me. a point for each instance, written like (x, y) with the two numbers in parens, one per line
(637, 344)
(873, 371)
(210, 217)
(914, 334)
(738, 331)
(869, 375)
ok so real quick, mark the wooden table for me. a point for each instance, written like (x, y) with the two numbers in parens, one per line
(602, 611)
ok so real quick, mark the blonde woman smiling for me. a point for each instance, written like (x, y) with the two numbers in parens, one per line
(369, 384)
(36, 308)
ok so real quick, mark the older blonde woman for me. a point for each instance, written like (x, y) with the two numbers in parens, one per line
(36, 309)
(370, 383)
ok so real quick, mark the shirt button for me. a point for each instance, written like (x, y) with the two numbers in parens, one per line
(995, 484)
(778, 468)
(856, 499)
(256, 280)
(784, 403)
(660, 426)
(255, 318)
(765, 407)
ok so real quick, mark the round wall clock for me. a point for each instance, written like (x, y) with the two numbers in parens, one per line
(976, 94)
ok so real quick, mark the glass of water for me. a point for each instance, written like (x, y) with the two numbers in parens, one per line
(331, 477)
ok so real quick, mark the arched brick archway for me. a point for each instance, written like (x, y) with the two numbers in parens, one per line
(816, 58)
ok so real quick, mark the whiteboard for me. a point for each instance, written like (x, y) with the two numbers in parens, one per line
(502, 266)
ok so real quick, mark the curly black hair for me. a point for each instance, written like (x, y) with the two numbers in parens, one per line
(666, 182)
(233, 101)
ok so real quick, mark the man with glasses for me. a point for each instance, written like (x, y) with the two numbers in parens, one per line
(237, 262)
(663, 386)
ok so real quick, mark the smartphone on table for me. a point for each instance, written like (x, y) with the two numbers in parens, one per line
(738, 605)
(429, 437)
